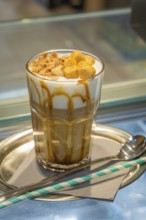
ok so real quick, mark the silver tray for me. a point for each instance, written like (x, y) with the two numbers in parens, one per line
(14, 149)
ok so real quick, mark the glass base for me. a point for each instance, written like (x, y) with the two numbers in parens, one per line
(60, 168)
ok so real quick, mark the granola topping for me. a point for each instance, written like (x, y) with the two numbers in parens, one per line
(73, 66)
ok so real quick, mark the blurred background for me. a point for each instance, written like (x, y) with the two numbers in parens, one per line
(16, 9)
(105, 32)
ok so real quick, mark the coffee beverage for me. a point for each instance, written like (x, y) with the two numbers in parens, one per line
(64, 89)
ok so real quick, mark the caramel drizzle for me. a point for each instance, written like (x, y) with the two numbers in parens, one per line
(88, 97)
(37, 91)
(84, 99)
(49, 98)
(58, 92)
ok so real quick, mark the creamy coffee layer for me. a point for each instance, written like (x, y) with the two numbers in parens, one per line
(63, 140)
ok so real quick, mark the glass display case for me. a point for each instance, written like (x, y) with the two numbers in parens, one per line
(108, 35)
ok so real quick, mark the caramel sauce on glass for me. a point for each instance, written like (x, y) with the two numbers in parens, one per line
(62, 136)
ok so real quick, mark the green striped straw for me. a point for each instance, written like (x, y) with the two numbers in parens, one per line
(71, 183)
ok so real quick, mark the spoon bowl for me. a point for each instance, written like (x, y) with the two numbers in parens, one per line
(132, 148)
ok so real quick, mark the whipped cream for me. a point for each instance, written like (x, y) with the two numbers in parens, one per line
(61, 90)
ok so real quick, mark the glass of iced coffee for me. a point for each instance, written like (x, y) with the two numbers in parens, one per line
(64, 89)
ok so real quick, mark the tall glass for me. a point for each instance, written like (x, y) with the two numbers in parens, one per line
(62, 115)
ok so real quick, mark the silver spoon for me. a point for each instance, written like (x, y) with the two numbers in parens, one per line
(131, 149)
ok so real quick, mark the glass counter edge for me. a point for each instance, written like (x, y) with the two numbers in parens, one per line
(103, 105)
(66, 17)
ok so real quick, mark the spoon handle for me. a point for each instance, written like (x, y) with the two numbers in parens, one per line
(21, 190)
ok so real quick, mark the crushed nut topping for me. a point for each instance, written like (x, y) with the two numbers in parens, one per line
(75, 65)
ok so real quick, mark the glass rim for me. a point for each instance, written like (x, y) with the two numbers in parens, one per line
(65, 51)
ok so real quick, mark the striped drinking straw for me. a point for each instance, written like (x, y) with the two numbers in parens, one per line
(71, 183)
